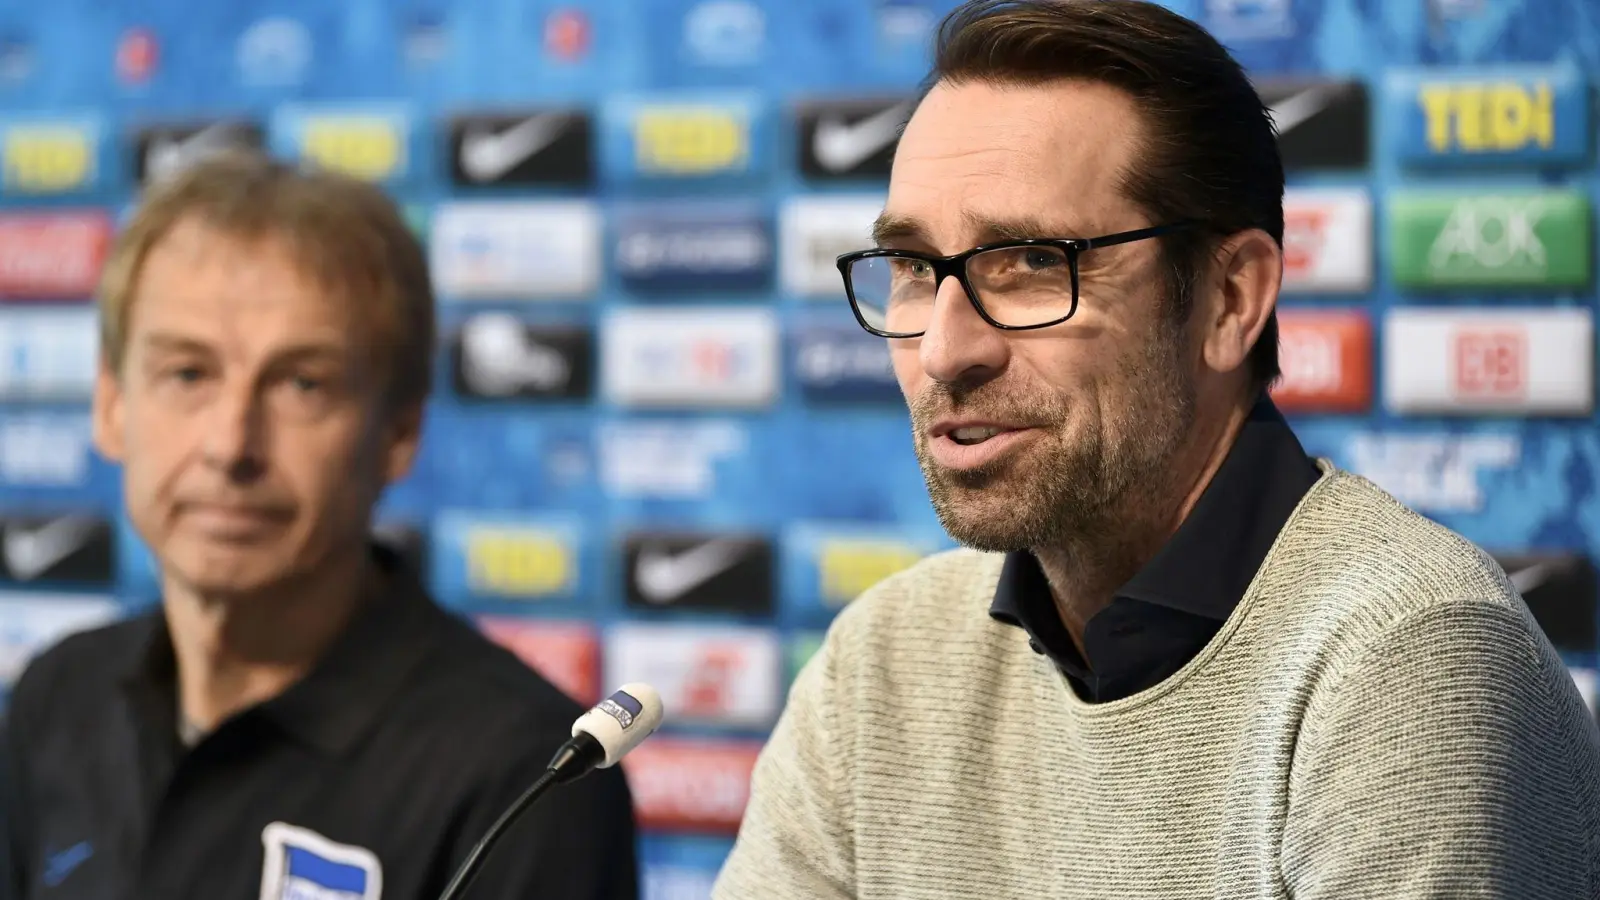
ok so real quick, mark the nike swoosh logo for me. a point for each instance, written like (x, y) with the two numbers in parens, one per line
(839, 147)
(486, 156)
(59, 865)
(30, 552)
(167, 155)
(1291, 111)
(663, 577)
(1531, 577)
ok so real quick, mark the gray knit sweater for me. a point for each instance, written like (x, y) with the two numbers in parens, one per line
(1379, 718)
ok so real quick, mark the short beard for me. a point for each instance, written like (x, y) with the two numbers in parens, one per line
(1079, 497)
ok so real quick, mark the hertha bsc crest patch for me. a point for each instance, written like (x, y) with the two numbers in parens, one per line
(304, 865)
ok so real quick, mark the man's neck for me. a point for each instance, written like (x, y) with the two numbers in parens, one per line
(237, 651)
(1084, 573)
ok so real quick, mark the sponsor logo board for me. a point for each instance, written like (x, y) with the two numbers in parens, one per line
(53, 255)
(842, 364)
(507, 556)
(1321, 123)
(1528, 115)
(721, 675)
(686, 138)
(708, 572)
(371, 143)
(1327, 241)
(565, 653)
(682, 784)
(1433, 473)
(813, 232)
(48, 353)
(690, 356)
(496, 356)
(50, 156)
(1470, 361)
(62, 548)
(1512, 239)
(855, 138)
(1326, 358)
(162, 150)
(530, 148)
(31, 623)
(516, 250)
(705, 247)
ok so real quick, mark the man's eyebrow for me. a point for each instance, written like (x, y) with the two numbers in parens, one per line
(889, 228)
(892, 229)
(1019, 228)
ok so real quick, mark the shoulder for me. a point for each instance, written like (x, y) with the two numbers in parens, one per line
(921, 637)
(1357, 548)
(475, 684)
(1365, 577)
(946, 594)
(81, 668)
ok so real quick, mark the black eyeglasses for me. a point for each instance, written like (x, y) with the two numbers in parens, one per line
(1014, 285)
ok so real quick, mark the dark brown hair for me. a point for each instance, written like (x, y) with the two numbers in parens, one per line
(1210, 154)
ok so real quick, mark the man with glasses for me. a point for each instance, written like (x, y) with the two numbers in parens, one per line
(1176, 657)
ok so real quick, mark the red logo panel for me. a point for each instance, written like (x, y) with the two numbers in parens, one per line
(567, 654)
(52, 255)
(1326, 357)
(691, 785)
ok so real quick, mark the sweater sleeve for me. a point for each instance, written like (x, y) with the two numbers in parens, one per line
(794, 842)
(1452, 759)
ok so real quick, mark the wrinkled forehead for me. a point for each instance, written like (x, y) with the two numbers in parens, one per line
(980, 162)
(238, 294)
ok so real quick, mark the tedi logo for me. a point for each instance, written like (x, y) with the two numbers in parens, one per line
(62, 863)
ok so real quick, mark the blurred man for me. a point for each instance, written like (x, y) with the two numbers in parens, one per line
(1177, 658)
(297, 718)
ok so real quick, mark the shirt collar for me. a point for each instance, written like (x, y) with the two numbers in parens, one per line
(345, 692)
(1207, 564)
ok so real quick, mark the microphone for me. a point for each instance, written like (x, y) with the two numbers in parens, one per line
(601, 737)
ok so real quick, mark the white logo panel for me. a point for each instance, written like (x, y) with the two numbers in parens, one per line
(32, 623)
(1524, 361)
(1327, 241)
(715, 675)
(690, 356)
(814, 231)
(516, 250)
(48, 354)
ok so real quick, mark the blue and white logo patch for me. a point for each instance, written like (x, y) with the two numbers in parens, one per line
(303, 865)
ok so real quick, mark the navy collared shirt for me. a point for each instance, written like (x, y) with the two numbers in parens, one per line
(1172, 607)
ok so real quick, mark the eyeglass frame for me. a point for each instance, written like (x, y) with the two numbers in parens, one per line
(955, 266)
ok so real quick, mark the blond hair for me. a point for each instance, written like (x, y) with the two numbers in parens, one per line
(345, 234)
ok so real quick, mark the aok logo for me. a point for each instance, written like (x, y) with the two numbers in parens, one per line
(1490, 117)
(1493, 233)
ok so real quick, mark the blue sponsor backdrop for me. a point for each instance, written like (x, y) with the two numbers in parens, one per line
(827, 469)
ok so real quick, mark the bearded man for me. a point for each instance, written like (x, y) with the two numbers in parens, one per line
(1176, 658)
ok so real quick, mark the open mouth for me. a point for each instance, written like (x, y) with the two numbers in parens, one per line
(966, 437)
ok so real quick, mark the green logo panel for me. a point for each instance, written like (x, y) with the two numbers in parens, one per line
(1504, 239)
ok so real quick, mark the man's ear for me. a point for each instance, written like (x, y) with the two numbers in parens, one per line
(106, 411)
(1243, 295)
(402, 440)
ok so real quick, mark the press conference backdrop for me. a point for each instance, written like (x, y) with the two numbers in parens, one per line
(660, 449)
